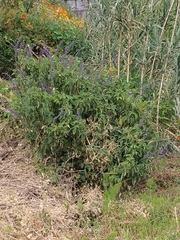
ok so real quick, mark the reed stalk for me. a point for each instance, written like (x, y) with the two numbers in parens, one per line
(161, 36)
(129, 56)
(119, 52)
(165, 65)
(143, 66)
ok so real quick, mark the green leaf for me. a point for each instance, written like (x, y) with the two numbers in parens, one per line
(21, 6)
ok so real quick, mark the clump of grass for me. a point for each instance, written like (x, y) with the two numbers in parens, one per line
(151, 214)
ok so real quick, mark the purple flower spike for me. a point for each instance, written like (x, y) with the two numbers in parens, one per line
(78, 115)
(102, 61)
(15, 114)
(58, 48)
(77, 53)
(29, 52)
(109, 78)
(44, 52)
(9, 76)
(146, 155)
(114, 59)
(141, 121)
(51, 74)
(21, 72)
(67, 50)
(97, 75)
(45, 87)
(15, 47)
(145, 134)
(59, 115)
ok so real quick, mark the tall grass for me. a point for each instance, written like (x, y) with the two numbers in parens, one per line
(139, 38)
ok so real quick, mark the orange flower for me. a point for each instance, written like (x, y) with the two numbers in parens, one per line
(56, 12)
(47, 4)
(112, 70)
(23, 17)
(56, 7)
(78, 23)
(63, 13)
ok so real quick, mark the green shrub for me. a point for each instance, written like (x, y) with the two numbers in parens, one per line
(83, 118)
(34, 22)
(7, 57)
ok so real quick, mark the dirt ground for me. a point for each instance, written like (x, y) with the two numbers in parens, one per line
(33, 208)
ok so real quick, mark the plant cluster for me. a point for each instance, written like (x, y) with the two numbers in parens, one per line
(83, 118)
(94, 110)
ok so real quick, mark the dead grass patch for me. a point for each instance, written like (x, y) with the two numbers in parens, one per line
(33, 208)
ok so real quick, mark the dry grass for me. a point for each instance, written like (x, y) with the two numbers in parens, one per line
(33, 208)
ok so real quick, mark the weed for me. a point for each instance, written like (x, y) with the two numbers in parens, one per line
(151, 185)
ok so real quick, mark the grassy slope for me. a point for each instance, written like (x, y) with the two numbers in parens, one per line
(149, 211)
